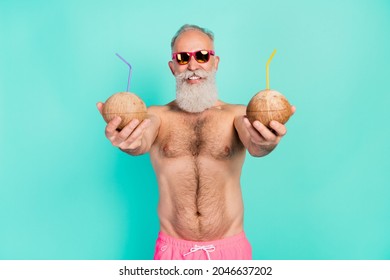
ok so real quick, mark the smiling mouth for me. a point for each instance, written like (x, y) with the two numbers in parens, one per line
(194, 79)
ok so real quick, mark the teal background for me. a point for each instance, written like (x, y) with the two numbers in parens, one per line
(66, 193)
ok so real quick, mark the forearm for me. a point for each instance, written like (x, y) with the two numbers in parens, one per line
(136, 151)
(256, 150)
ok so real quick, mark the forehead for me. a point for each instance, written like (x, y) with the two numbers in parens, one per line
(192, 40)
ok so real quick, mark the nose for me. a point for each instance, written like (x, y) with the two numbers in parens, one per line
(192, 64)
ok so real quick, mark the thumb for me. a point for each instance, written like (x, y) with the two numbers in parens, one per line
(99, 106)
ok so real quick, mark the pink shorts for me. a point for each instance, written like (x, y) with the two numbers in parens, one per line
(231, 248)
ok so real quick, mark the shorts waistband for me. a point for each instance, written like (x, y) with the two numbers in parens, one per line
(189, 243)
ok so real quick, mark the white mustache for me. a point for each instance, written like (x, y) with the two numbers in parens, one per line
(188, 73)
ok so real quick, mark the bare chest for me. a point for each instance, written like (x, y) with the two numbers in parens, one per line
(211, 135)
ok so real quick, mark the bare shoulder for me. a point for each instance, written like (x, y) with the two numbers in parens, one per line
(234, 109)
(165, 110)
(158, 109)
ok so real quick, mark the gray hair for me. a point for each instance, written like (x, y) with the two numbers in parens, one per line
(187, 27)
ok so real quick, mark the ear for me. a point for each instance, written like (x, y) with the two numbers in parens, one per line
(216, 62)
(171, 66)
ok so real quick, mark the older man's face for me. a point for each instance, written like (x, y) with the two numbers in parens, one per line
(196, 89)
(191, 41)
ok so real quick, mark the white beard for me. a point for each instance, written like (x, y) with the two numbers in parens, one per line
(195, 98)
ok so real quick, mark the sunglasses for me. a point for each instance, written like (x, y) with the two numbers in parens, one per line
(201, 56)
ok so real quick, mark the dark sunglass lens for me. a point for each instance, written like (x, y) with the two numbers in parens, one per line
(182, 58)
(202, 56)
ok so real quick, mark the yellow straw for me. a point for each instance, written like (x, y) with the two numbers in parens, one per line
(267, 67)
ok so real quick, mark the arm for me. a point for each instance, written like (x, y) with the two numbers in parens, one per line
(135, 138)
(257, 138)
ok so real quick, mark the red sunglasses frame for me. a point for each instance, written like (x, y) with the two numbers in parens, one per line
(192, 54)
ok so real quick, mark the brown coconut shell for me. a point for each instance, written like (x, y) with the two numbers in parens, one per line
(126, 105)
(268, 105)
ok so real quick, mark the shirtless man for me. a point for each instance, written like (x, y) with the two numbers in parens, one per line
(197, 145)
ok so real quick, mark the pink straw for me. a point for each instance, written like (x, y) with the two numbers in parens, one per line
(128, 80)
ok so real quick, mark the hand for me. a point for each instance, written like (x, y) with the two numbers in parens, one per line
(129, 138)
(260, 135)
(262, 139)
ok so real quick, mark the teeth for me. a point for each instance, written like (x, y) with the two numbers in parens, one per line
(194, 78)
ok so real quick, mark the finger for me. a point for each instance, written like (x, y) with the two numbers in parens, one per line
(134, 144)
(144, 124)
(247, 123)
(279, 128)
(112, 126)
(293, 109)
(137, 133)
(255, 136)
(99, 106)
(127, 130)
(264, 131)
(249, 127)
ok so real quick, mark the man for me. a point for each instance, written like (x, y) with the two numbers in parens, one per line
(197, 145)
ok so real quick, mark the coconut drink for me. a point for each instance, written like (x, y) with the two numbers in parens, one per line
(268, 105)
(126, 105)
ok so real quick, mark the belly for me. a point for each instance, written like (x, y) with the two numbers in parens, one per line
(200, 199)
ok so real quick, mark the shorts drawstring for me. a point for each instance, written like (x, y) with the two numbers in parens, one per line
(206, 248)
